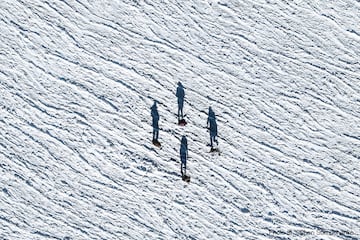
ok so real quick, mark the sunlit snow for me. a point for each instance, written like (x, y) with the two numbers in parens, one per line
(78, 78)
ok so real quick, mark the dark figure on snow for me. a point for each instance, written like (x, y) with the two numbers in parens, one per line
(155, 122)
(212, 126)
(180, 94)
(183, 155)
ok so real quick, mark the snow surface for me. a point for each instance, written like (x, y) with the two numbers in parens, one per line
(78, 78)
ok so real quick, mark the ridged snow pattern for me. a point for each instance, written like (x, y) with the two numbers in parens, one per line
(78, 78)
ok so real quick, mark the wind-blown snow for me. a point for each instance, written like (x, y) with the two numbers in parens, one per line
(78, 78)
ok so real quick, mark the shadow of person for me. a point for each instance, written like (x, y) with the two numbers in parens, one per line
(183, 155)
(212, 126)
(155, 123)
(180, 94)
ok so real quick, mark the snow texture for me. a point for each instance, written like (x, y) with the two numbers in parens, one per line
(78, 78)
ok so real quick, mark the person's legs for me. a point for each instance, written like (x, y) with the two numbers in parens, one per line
(182, 169)
(183, 165)
(179, 113)
(157, 134)
(155, 130)
(180, 109)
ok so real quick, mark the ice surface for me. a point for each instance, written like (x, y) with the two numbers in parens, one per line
(78, 78)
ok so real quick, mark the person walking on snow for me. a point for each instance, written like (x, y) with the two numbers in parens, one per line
(155, 122)
(183, 155)
(212, 126)
(180, 94)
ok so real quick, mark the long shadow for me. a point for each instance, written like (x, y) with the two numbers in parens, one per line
(183, 155)
(212, 126)
(155, 123)
(180, 94)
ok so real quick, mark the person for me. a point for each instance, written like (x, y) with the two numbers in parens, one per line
(183, 156)
(180, 94)
(212, 126)
(155, 122)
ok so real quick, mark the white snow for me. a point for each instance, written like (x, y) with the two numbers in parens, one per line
(78, 78)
